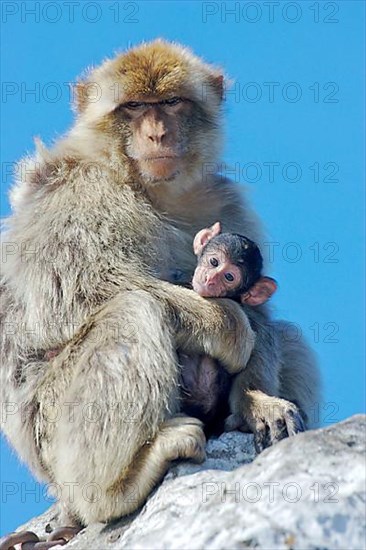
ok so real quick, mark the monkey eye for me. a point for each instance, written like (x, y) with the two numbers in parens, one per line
(229, 277)
(134, 105)
(172, 101)
(214, 262)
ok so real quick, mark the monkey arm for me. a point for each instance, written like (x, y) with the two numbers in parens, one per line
(215, 327)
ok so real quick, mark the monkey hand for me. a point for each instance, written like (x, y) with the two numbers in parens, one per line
(269, 418)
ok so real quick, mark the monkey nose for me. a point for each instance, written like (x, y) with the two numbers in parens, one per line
(211, 280)
(157, 135)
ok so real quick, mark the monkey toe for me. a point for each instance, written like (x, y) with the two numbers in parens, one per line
(269, 434)
(192, 445)
(259, 444)
(262, 438)
(181, 419)
(294, 421)
(278, 431)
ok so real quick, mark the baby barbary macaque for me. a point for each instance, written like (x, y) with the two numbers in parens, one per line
(229, 266)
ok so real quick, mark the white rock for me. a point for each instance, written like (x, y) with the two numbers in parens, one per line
(306, 492)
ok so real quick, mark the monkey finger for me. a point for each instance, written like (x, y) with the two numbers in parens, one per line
(262, 438)
(278, 429)
(294, 422)
(259, 441)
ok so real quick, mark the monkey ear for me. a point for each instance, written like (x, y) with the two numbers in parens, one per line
(205, 235)
(215, 229)
(260, 292)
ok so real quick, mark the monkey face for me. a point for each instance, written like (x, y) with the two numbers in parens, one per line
(157, 106)
(158, 135)
(215, 276)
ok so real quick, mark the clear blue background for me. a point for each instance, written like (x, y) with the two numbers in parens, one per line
(324, 298)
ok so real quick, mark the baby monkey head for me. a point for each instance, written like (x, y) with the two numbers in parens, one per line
(230, 265)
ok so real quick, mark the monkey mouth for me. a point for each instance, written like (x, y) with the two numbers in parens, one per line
(201, 289)
(160, 168)
(160, 157)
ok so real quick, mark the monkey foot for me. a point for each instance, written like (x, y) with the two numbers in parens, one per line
(182, 437)
(282, 420)
(270, 421)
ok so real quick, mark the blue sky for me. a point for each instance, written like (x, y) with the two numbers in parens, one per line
(294, 133)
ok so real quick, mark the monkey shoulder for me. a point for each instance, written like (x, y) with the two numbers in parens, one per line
(67, 196)
(78, 231)
(236, 214)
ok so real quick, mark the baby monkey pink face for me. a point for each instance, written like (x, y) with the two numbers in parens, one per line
(230, 266)
(216, 276)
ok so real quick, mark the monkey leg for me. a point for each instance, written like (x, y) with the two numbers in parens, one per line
(236, 422)
(275, 395)
(179, 437)
(115, 387)
(255, 403)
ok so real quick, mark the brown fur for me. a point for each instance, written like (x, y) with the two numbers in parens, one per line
(93, 235)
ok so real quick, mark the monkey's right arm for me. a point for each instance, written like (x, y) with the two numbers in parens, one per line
(215, 327)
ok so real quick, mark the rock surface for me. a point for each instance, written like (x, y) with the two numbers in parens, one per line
(307, 492)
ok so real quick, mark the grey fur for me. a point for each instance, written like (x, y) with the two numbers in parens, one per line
(83, 255)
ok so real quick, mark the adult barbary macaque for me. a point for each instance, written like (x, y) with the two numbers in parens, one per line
(100, 223)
